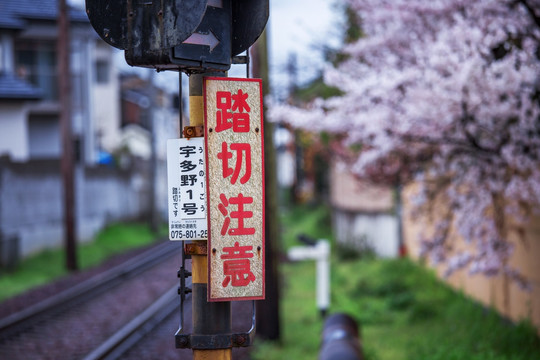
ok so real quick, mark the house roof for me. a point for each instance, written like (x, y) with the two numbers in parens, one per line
(12, 87)
(15, 13)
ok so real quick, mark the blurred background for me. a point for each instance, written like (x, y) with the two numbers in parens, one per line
(120, 119)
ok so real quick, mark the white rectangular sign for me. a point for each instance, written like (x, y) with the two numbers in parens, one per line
(187, 189)
(235, 168)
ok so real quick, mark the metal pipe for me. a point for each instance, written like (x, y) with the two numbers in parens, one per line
(320, 252)
(340, 339)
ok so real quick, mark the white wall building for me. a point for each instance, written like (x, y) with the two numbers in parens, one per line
(29, 107)
(364, 214)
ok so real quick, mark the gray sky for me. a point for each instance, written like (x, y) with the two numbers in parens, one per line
(301, 27)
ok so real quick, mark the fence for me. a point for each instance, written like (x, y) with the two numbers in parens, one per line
(31, 207)
(498, 292)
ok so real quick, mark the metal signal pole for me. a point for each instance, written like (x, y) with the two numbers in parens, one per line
(209, 318)
(196, 38)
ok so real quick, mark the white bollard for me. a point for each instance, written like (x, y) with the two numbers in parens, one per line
(320, 253)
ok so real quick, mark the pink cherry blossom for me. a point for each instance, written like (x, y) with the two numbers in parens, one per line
(446, 92)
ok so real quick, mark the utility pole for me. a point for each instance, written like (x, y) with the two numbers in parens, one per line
(268, 314)
(67, 162)
(292, 72)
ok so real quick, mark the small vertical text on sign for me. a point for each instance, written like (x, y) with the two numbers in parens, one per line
(235, 181)
(186, 175)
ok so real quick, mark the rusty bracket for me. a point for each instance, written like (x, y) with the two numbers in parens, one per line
(193, 131)
(196, 248)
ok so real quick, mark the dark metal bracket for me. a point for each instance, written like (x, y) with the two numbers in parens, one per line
(183, 290)
(208, 342)
(219, 341)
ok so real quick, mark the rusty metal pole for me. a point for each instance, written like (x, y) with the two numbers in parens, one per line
(209, 318)
(67, 163)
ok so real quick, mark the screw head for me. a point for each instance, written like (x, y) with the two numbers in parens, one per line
(183, 342)
(240, 339)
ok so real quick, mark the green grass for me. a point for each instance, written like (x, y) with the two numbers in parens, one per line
(405, 312)
(114, 240)
(310, 220)
(49, 265)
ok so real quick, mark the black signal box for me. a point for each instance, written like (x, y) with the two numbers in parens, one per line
(182, 35)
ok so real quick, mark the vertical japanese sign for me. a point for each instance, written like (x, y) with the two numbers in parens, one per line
(235, 181)
(186, 175)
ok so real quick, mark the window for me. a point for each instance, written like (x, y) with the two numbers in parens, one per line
(44, 137)
(35, 62)
(102, 71)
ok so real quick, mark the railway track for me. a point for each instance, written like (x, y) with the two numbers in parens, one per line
(101, 317)
(123, 340)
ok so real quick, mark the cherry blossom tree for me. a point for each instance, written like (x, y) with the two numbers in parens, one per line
(446, 93)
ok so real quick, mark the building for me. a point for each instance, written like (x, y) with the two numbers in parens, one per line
(147, 108)
(31, 207)
(29, 107)
(365, 215)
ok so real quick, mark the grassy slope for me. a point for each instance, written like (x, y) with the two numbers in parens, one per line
(49, 265)
(404, 311)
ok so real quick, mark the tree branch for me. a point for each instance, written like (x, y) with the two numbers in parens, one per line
(530, 9)
(465, 145)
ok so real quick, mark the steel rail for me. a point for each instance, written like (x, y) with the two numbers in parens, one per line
(136, 329)
(87, 289)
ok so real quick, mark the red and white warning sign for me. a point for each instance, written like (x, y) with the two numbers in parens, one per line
(235, 182)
